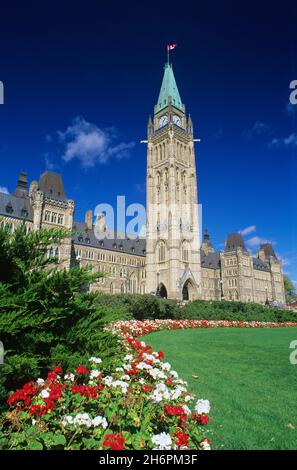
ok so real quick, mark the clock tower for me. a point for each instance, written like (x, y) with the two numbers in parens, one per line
(173, 244)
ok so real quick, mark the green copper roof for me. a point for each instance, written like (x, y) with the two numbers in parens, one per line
(169, 88)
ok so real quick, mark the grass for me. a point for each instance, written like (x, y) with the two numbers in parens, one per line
(246, 375)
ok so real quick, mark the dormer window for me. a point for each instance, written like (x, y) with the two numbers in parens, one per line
(88, 241)
(80, 238)
(102, 243)
(114, 246)
(24, 212)
(9, 208)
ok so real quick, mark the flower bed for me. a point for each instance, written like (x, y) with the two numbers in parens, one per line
(141, 404)
(138, 328)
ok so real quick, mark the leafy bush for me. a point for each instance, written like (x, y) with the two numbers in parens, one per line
(141, 307)
(225, 310)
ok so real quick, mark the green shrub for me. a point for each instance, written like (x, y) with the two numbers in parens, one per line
(141, 307)
(225, 310)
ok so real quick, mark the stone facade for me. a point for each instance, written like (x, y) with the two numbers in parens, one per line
(170, 261)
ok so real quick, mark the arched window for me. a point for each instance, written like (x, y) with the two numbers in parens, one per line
(57, 253)
(111, 288)
(122, 288)
(51, 252)
(161, 252)
(185, 252)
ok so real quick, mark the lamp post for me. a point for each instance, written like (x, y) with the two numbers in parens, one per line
(266, 301)
(158, 284)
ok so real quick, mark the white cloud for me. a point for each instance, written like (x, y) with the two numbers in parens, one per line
(4, 190)
(258, 128)
(290, 141)
(49, 165)
(248, 230)
(256, 242)
(92, 145)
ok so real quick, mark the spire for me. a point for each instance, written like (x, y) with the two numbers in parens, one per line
(150, 126)
(169, 89)
(190, 125)
(206, 244)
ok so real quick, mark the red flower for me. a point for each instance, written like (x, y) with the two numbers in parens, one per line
(174, 410)
(160, 355)
(201, 419)
(169, 381)
(82, 370)
(114, 441)
(52, 376)
(58, 369)
(147, 388)
(182, 439)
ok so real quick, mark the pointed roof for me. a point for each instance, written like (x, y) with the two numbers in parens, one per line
(234, 241)
(169, 88)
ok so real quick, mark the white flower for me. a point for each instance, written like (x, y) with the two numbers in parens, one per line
(100, 420)
(82, 419)
(70, 377)
(202, 406)
(188, 397)
(174, 374)
(44, 394)
(108, 380)
(34, 422)
(119, 369)
(122, 384)
(187, 410)
(40, 381)
(67, 420)
(125, 377)
(128, 357)
(166, 366)
(96, 360)
(94, 373)
(162, 441)
(142, 381)
(205, 445)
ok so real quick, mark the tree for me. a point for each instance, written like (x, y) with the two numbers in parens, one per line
(290, 290)
(40, 303)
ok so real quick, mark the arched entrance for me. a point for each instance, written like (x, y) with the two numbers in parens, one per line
(162, 291)
(185, 292)
(188, 291)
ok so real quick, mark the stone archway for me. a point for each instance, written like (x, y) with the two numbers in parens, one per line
(188, 291)
(162, 291)
(185, 292)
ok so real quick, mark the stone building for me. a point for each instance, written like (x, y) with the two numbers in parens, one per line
(170, 262)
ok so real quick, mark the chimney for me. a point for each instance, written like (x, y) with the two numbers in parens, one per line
(89, 220)
(22, 186)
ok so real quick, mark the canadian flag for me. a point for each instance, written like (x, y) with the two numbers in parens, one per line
(170, 47)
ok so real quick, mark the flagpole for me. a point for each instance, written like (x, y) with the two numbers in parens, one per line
(167, 54)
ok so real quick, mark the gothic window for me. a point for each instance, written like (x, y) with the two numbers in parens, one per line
(185, 252)
(57, 253)
(161, 252)
(122, 288)
(51, 252)
(111, 288)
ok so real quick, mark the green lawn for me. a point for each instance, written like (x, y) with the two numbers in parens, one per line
(246, 375)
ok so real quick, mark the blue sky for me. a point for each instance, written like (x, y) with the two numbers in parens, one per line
(81, 78)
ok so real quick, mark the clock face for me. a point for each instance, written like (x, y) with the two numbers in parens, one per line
(163, 121)
(177, 120)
